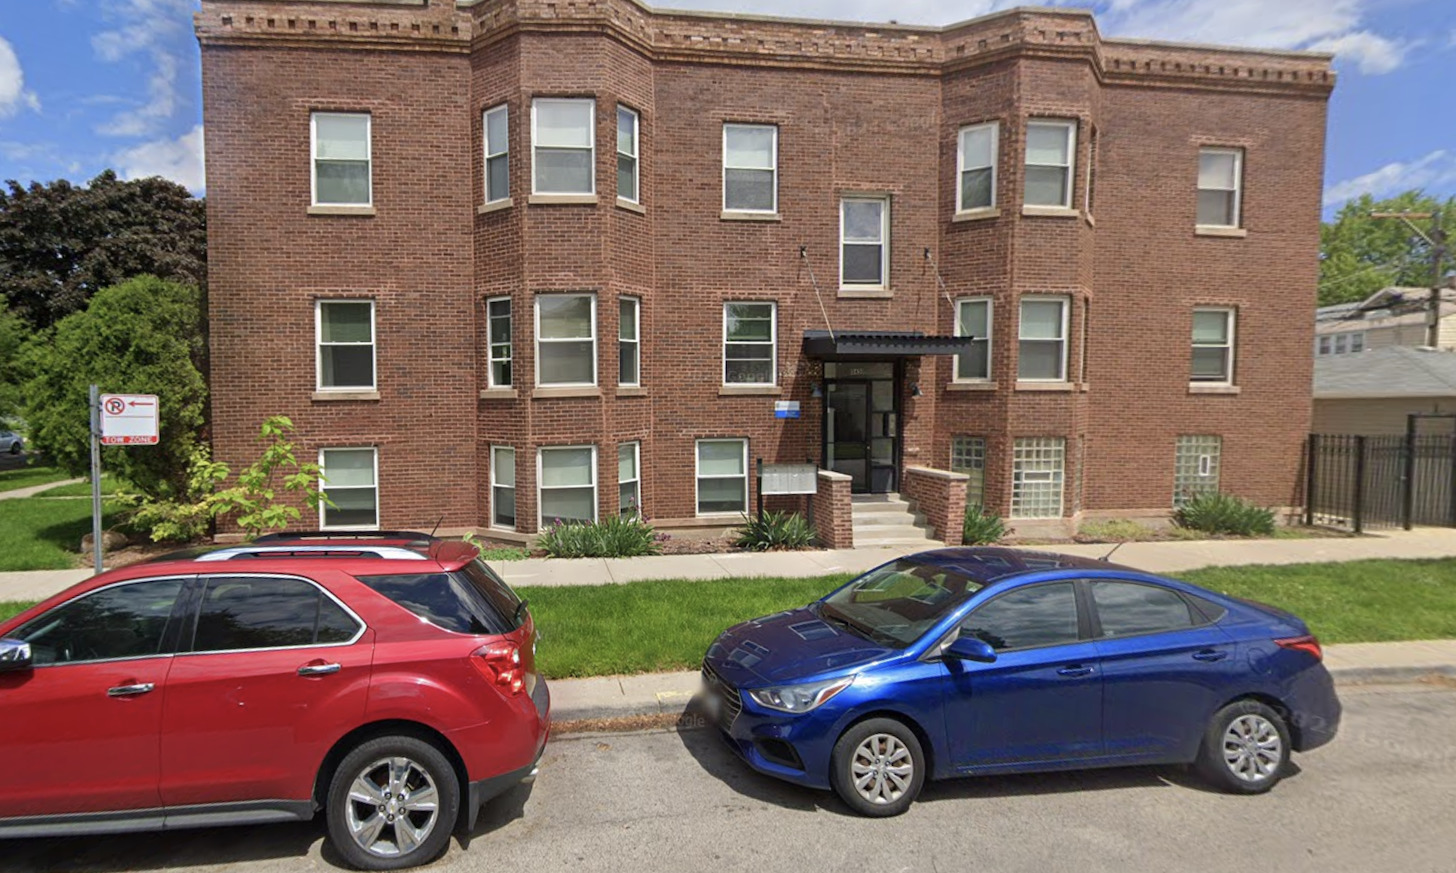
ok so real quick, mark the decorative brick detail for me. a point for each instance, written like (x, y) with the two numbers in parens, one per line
(833, 511)
(940, 496)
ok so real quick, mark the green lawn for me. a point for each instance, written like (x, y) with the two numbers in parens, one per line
(24, 477)
(9, 608)
(80, 489)
(41, 534)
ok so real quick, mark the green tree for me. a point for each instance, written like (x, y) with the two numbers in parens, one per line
(13, 334)
(1359, 255)
(61, 243)
(143, 336)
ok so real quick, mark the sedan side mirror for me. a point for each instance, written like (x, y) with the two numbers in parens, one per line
(969, 648)
(14, 656)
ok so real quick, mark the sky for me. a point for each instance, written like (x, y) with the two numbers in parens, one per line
(91, 84)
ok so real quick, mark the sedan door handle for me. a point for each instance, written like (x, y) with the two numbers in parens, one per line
(130, 690)
(1074, 670)
(1209, 655)
(318, 669)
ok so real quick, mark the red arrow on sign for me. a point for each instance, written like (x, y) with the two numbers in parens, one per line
(141, 403)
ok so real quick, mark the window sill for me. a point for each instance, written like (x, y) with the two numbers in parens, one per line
(1046, 386)
(497, 394)
(866, 294)
(1091, 222)
(983, 214)
(631, 391)
(562, 200)
(631, 206)
(1217, 230)
(494, 206)
(749, 391)
(550, 393)
(341, 210)
(1051, 211)
(345, 395)
(733, 215)
(1198, 388)
(972, 386)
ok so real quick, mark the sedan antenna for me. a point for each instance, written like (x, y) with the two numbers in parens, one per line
(437, 525)
(1105, 557)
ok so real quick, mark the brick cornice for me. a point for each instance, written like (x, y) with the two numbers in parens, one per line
(396, 25)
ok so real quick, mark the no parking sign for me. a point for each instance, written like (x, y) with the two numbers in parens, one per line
(129, 420)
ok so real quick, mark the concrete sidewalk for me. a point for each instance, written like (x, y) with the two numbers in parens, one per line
(33, 490)
(668, 694)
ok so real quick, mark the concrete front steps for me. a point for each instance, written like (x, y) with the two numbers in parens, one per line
(888, 520)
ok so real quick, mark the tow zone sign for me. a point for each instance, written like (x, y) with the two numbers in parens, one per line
(128, 419)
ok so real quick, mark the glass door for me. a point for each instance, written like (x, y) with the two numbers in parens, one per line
(861, 424)
(846, 423)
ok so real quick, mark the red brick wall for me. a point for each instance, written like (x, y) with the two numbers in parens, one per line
(941, 496)
(833, 511)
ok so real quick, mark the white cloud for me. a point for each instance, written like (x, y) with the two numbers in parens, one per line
(1373, 53)
(1435, 169)
(13, 93)
(161, 102)
(152, 28)
(177, 159)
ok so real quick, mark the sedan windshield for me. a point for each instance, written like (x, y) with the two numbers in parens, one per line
(899, 601)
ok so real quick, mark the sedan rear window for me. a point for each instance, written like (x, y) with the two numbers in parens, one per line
(469, 601)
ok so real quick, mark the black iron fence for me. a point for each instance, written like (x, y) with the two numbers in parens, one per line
(1365, 482)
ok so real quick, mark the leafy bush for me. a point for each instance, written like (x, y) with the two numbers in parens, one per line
(612, 537)
(1217, 513)
(981, 527)
(775, 531)
(1116, 530)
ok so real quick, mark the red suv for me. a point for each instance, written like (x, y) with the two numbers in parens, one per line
(387, 679)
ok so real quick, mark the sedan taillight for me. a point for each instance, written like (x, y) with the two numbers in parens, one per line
(500, 664)
(1306, 643)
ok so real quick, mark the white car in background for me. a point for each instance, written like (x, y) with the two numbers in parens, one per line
(11, 442)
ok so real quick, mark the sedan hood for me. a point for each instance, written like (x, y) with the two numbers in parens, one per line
(786, 647)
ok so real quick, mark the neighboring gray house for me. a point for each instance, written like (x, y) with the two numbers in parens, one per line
(1390, 317)
(1373, 391)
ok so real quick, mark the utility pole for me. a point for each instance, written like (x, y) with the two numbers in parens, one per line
(1437, 241)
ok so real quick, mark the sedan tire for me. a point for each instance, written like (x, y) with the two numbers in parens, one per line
(1245, 749)
(878, 767)
(392, 803)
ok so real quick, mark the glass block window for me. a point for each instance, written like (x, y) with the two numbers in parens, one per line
(568, 484)
(1195, 467)
(968, 456)
(976, 156)
(973, 318)
(1038, 469)
(749, 337)
(341, 159)
(498, 315)
(503, 486)
(350, 482)
(497, 155)
(629, 479)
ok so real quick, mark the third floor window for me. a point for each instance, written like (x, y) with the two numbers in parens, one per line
(976, 167)
(1051, 151)
(563, 137)
(864, 224)
(750, 167)
(341, 159)
(1220, 184)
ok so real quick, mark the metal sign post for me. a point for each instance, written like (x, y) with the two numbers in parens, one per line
(116, 420)
(96, 478)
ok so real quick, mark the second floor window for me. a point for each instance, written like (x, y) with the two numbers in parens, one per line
(566, 340)
(498, 315)
(1042, 345)
(973, 319)
(1213, 346)
(1051, 151)
(629, 342)
(341, 159)
(976, 161)
(627, 137)
(749, 343)
(1220, 183)
(345, 344)
(750, 167)
(497, 155)
(864, 242)
(563, 137)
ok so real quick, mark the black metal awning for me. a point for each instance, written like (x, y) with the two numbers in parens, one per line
(881, 344)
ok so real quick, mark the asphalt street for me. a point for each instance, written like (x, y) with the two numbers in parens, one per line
(1379, 799)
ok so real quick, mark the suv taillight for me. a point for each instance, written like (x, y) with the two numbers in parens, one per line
(500, 664)
(1306, 643)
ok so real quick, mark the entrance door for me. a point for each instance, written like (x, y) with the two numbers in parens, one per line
(861, 424)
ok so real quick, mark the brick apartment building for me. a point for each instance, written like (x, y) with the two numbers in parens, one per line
(515, 260)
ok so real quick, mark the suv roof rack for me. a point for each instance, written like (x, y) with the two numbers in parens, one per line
(408, 535)
(252, 550)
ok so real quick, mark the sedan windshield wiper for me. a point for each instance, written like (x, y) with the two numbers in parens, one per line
(840, 618)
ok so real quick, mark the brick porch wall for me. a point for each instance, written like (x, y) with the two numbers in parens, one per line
(833, 511)
(941, 496)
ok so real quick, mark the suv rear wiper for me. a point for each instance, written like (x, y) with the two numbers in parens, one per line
(520, 607)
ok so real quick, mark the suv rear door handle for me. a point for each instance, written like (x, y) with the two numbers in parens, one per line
(1209, 655)
(130, 690)
(318, 669)
(1074, 670)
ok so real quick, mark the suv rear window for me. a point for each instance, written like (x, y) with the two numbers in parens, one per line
(472, 600)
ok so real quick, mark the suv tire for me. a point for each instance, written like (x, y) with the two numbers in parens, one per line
(392, 803)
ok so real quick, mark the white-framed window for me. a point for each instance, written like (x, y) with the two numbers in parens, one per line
(864, 242)
(968, 456)
(722, 476)
(1357, 341)
(1195, 467)
(973, 319)
(1051, 155)
(563, 143)
(567, 482)
(496, 138)
(1342, 343)
(345, 339)
(1220, 187)
(750, 167)
(1042, 340)
(342, 158)
(628, 132)
(349, 478)
(503, 487)
(629, 341)
(976, 151)
(629, 478)
(1038, 468)
(750, 343)
(566, 340)
(1325, 345)
(498, 323)
(1213, 345)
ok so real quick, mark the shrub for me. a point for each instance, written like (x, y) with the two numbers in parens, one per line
(1116, 530)
(981, 527)
(489, 552)
(775, 531)
(613, 537)
(1218, 513)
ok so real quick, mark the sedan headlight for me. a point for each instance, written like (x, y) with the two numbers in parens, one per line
(800, 698)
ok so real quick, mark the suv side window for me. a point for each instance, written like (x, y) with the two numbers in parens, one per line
(1127, 608)
(470, 602)
(262, 612)
(1038, 615)
(122, 621)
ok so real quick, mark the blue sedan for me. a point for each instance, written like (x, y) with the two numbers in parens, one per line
(961, 662)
